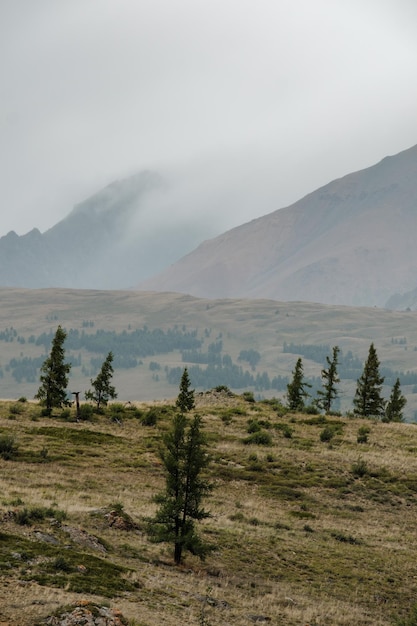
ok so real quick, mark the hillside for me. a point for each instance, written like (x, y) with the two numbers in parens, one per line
(350, 242)
(249, 345)
(308, 529)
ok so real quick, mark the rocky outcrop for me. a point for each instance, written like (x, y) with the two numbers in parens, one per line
(87, 614)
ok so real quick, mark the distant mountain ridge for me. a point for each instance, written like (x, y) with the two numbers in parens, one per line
(106, 242)
(350, 242)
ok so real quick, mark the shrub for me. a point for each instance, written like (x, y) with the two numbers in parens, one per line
(22, 399)
(8, 447)
(253, 426)
(311, 409)
(360, 468)
(260, 438)
(25, 517)
(86, 412)
(16, 409)
(61, 565)
(327, 434)
(154, 414)
(248, 396)
(363, 433)
(286, 430)
(223, 388)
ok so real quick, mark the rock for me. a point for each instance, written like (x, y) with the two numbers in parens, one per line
(87, 614)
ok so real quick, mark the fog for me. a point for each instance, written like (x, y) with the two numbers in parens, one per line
(242, 107)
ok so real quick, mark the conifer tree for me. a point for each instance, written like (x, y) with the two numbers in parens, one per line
(330, 379)
(296, 389)
(103, 391)
(184, 457)
(185, 399)
(395, 405)
(368, 401)
(54, 375)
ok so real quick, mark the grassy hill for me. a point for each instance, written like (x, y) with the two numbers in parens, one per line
(263, 326)
(312, 528)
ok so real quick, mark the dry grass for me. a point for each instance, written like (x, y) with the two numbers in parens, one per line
(301, 539)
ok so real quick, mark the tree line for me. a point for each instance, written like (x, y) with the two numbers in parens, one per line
(368, 400)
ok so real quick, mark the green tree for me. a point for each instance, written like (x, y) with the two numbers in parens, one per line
(395, 405)
(54, 375)
(103, 391)
(184, 457)
(185, 399)
(368, 401)
(330, 379)
(296, 389)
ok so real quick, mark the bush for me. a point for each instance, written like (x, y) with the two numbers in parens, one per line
(260, 438)
(25, 517)
(360, 468)
(286, 430)
(327, 434)
(16, 409)
(116, 411)
(154, 414)
(253, 426)
(311, 409)
(8, 447)
(248, 396)
(363, 433)
(86, 412)
(223, 388)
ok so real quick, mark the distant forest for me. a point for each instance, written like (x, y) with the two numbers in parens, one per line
(208, 364)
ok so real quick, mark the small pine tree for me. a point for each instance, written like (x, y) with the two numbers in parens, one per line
(296, 389)
(395, 405)
(185, 399)
(103, 391)
(368, 401)
(330, 379)
(54, 375)
(184, 457)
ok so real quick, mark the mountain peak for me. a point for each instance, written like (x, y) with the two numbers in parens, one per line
(350, 242)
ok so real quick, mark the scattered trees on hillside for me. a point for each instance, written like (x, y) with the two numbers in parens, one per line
(330, 379)
(296, 388)
(395, 404)
(184, 457)
(368, 401)
(54, 375)
(103, 391)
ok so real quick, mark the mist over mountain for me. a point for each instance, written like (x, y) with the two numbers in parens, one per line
(122, 234)
(350, 242)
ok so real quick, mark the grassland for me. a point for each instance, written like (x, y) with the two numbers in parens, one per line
(309, 529)
(261, 325)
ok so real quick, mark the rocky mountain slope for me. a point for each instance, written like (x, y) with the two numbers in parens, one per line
(351, 242)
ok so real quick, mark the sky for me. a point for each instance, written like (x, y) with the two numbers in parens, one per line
(244, 106)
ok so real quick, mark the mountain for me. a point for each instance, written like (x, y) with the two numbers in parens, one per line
(350, 242)
(106, 242)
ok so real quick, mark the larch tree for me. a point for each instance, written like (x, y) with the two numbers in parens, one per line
(330, 380)
(184, 457)
(368, 401)
(395, 404)
(296, 389)
(52, 392)
(103, 390)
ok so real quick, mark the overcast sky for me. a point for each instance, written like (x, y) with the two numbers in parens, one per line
(245, 105)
